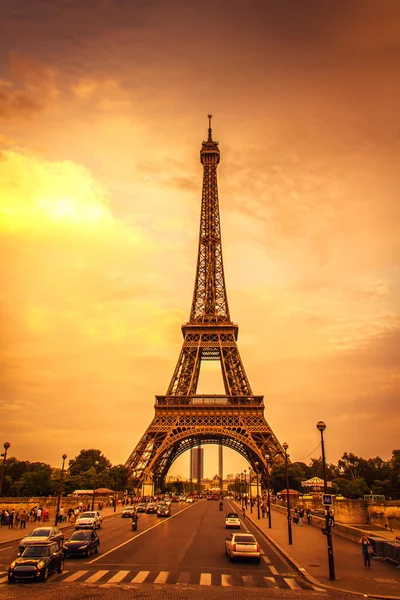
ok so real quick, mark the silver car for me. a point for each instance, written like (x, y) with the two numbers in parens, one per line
(41, 535)
(242, 545)
(89, 520)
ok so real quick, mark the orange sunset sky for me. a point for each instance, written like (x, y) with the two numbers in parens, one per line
(103, 108)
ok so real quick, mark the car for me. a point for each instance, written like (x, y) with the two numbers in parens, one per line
(141, 507)
(151, 508)
(163, 510)
(40, 535)
(167, 500)
(37, 562)
(128, 511)
(89, 520)
(189, 500)
(242, 545)
(232, 521)
(209, 497)
(82, 543)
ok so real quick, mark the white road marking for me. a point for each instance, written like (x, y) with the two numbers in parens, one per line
(140, 577)
(205, 579)
(4, 579)
(8, 548)
(118, 577)
(271, 580)
(273, 570)
(138, 535)
(249, 580)
(98, 575)
(162, 577)
(75, 576)
(292, 583)
(226, 580)
(266, 559)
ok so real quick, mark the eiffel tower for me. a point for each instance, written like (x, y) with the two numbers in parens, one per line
(184, 419)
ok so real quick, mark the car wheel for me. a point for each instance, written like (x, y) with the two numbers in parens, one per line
(96, 550)
(61, 567)
(88, 552)
(45, 575)
(10, 579)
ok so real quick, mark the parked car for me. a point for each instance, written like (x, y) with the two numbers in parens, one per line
(232, 521)
(141, 507)
(82, 543)
(128, 511)
(151, 508)
(242, 545)
(163, 510)
(89, 520)
(37, 562)
(41, 535)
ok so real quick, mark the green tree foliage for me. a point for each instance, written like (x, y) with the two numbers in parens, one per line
(86, 460)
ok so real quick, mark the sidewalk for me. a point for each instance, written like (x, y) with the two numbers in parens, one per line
(309, 554)
(16, 534)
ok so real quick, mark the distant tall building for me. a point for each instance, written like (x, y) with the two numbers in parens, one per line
(197, 463)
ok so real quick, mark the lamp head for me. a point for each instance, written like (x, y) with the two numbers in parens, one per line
(285, 446)
(321, 426)
(64, 456)
(6, 446)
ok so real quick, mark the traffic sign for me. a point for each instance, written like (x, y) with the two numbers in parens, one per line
(327, 499)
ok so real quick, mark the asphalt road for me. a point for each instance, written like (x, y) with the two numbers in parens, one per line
(187, 549)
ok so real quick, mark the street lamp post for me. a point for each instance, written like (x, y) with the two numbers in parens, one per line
(258, 491)
(94, 483)
(245, 487)
(64, 456)
(251, 493)
(285, 446)
(328, 517)
(267, 457)
(6, 447)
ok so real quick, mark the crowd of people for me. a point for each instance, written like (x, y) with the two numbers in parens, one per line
(15, 518)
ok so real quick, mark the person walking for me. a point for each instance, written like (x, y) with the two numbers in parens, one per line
(308, 516)
(22, 520)
(366, 549)
(301, 516)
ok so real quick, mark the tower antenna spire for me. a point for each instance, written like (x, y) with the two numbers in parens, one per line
(209, 128)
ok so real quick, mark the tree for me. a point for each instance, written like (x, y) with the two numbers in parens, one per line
(86, 460)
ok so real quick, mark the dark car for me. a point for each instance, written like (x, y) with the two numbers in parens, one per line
(163, 510)
(37, 562)
(82, 543)
(41, 535)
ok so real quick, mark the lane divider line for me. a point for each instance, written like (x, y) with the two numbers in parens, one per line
(137, 535)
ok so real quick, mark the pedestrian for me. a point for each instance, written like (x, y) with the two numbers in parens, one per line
(38, 514)
(22, 520)
(11, 519)
(301, 516)
(366, 549)
(308, 516)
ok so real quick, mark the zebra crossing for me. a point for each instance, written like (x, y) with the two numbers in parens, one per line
(134, 577)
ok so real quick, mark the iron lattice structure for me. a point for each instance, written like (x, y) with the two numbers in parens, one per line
(184, 419)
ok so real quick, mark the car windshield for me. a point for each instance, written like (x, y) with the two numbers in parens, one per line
(129, 508)
(80, 535)
(88, 515)
(244, 538)
(40, 533)
(36, 551)
(232, 516)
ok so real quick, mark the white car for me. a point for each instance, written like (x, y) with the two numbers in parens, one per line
(232, 521)
(189, 499)
(89, 520)
(242, 545)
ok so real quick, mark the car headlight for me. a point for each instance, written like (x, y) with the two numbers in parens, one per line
(82, 547)
(41, 564)
(13, 564)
